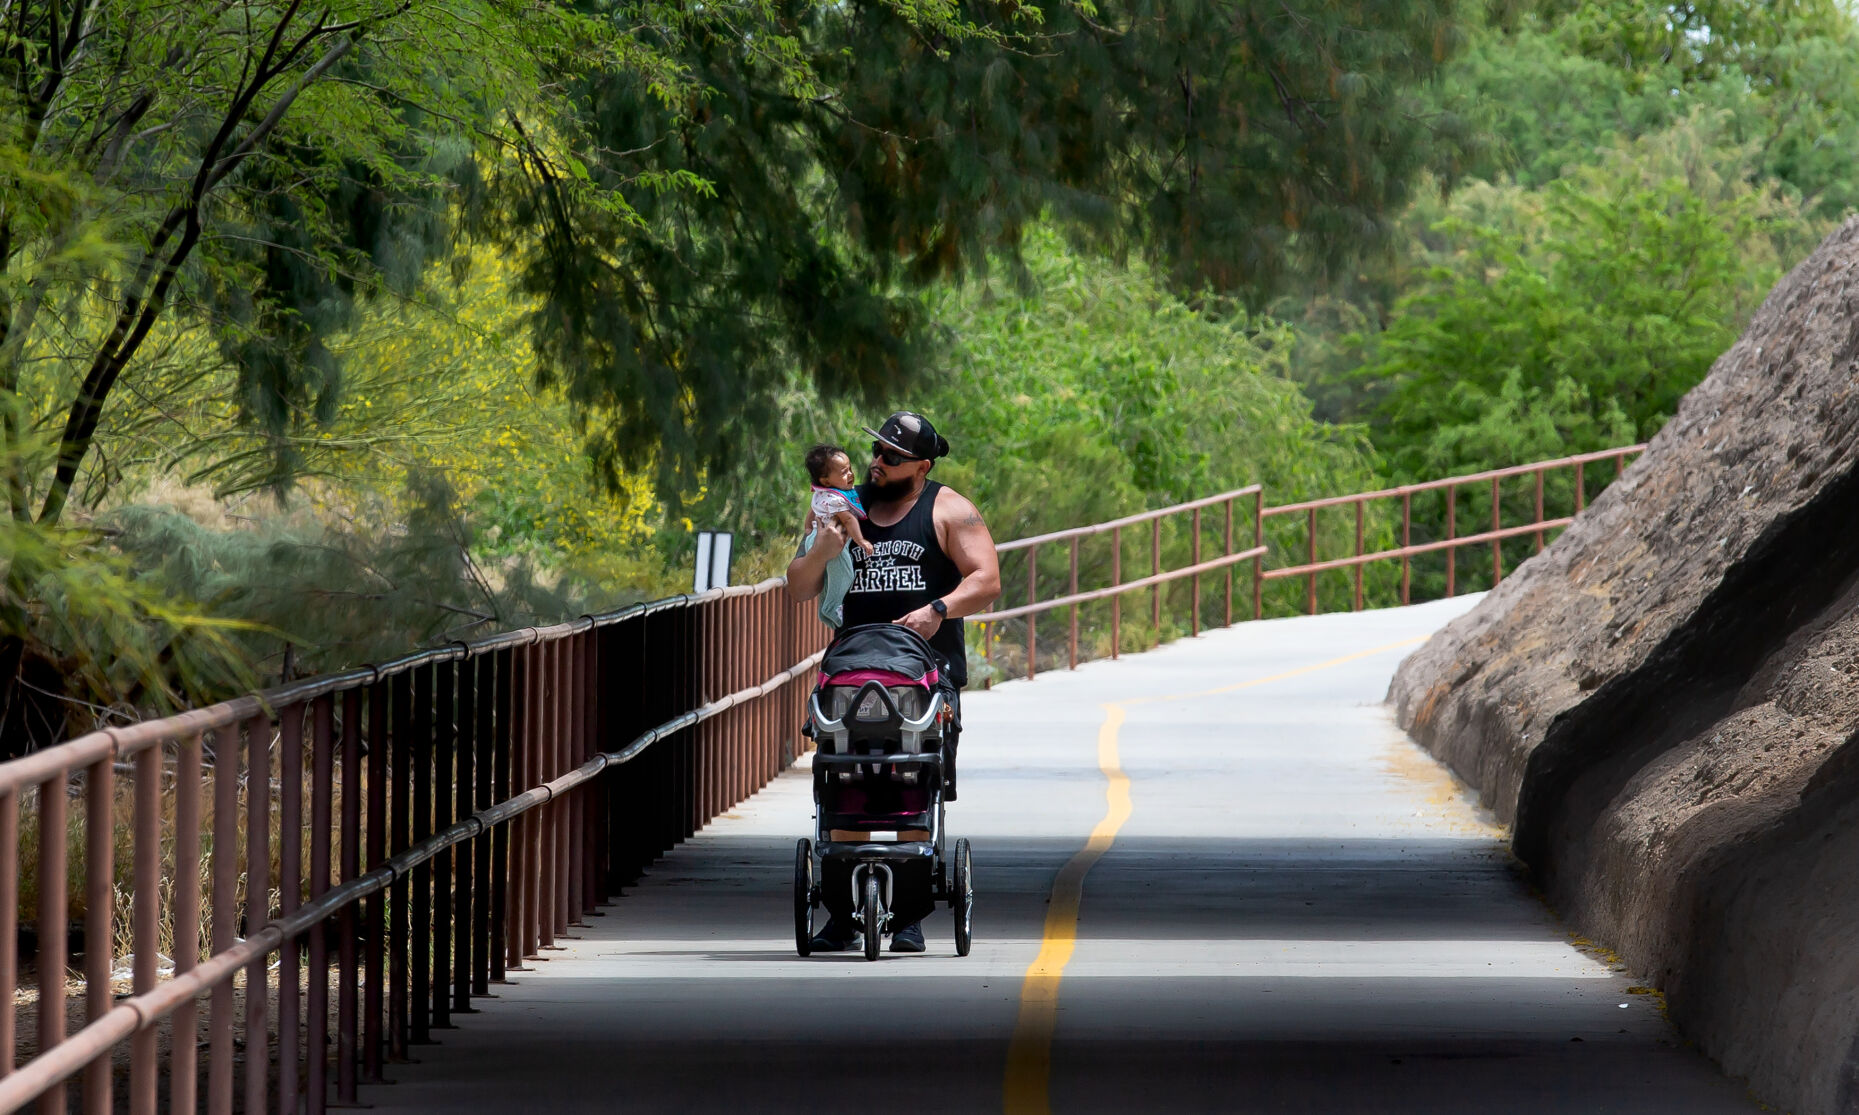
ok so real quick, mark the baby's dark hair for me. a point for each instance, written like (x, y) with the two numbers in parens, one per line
(820, 456)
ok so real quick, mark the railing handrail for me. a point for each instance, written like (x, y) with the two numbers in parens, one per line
(1309, 569)
(139, 1012)
(123, 742)
(127, 740)
(1127, 520)
(1417, 549)
(1454, 481)
(543, 735)
(1117, 590)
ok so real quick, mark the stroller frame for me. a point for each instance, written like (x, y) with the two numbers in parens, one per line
(876, 743)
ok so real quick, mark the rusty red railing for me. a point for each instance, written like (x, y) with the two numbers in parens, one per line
(1453, 542)
(468, 807)
(1119, 587)
(1254, 497)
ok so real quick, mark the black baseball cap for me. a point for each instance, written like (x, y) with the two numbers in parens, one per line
(912, 435)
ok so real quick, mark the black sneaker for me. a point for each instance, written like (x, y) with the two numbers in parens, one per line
(835, 937)
(908, 939)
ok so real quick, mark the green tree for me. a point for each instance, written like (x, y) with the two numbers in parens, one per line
(1232, 143)
(703, 200)
(1098, 393)
(220, 184)
(1660, 43)
(1521, 346)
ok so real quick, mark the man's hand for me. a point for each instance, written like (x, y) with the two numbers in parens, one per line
(924, 621)
(829, 541)
(806, 574)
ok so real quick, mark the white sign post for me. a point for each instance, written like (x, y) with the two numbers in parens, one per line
(712, 560)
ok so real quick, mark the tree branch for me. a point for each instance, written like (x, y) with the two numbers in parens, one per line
(140, 310)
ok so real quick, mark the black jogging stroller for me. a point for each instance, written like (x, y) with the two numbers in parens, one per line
(879, 717)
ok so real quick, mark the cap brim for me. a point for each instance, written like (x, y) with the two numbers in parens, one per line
(880, 437)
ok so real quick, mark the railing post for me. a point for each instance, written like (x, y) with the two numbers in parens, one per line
(99, 921)
(1310, 591)
(987, 654)
(1620, 465)
(257, 910)
(1194, 556)
(1074, 607)
(502, 928)
(420, 758)
(1258, 563)
(470, 883)
(322, 819)
(225, 915)
(445, 785)
(9, 925)
(1032, 618)
(1581, 491)
(290, 867)
(1358, 565)
(52, 928)
(144, 1066)
(347, 1011)
(184, 1055)
(1452, 552)
(374, 956)
(1229, 568)
(1116, 599)
(400, 812)
(1407, 539)
(1497, 544)
(1539, 509)
(1155, 569)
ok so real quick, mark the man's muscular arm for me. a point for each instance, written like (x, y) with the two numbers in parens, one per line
(965, 538)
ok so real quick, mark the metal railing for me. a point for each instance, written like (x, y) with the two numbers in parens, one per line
(1119, 587)
(467, 808)
(1253, 497)
(402, 837)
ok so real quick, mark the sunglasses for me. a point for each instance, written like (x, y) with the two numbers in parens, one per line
(890, 457)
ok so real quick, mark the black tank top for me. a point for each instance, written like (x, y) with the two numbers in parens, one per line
(906, 570)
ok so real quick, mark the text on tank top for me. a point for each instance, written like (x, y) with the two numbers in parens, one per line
(906, 570)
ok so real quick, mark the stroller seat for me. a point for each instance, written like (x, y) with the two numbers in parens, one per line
(879, 691)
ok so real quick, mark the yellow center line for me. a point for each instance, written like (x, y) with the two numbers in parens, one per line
(1029, 1057)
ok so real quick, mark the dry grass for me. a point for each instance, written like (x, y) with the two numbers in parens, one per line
(172, 876)
(200, 875)
(27, 1044)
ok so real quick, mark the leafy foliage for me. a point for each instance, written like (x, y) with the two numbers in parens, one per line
(1559, 88)
(1581, 328)
(1232, 144)
(1099, 394)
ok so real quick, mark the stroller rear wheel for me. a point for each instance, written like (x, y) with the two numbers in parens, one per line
(874, 917)
(803, 897)
(963, 899)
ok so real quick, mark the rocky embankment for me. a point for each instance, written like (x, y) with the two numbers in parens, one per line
(1665, 703)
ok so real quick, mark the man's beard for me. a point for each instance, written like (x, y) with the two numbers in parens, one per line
(880, 492)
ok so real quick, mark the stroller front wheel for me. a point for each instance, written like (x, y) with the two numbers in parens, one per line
(803, 897)
(874, 917)
(962, 900)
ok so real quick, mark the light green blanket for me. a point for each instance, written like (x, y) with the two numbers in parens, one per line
(839, 576)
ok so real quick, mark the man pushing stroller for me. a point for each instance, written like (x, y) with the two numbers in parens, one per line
(928, 561)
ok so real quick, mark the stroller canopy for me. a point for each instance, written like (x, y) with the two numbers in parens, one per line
(889, 647)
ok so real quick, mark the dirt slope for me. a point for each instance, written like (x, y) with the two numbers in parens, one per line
(1665, 703)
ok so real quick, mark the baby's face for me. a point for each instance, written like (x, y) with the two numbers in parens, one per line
(839, 472)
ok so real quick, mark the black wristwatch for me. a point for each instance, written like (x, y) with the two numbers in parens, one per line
(939, 608)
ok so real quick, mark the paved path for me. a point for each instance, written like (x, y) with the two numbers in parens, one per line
(1301, 912)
